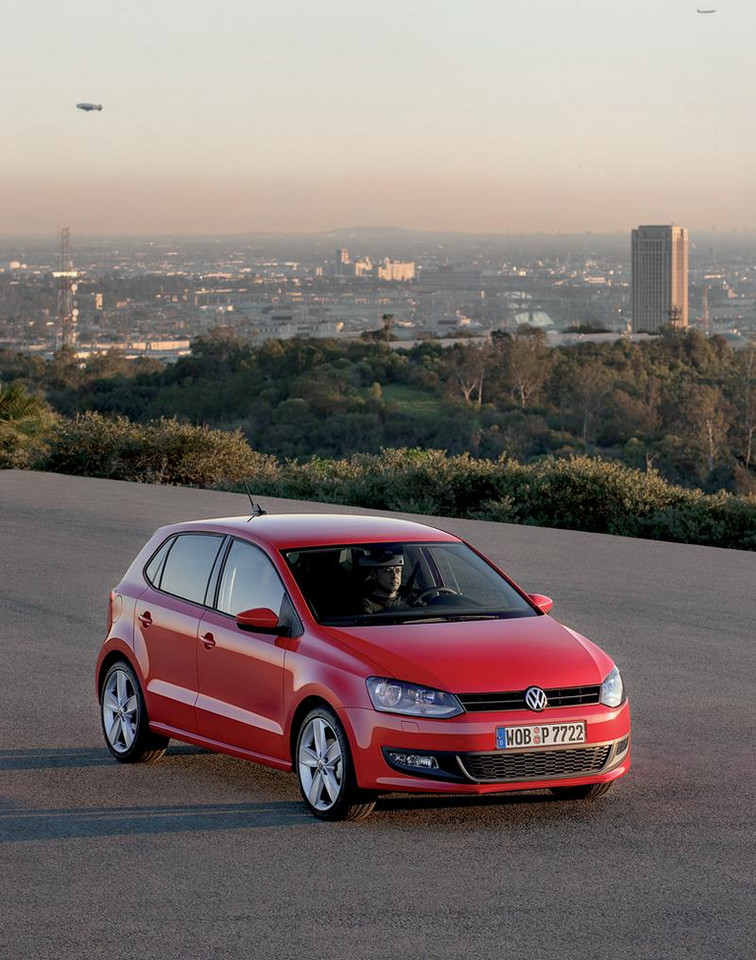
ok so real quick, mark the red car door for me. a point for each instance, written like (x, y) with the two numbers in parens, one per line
(168, 615)
(240, 699)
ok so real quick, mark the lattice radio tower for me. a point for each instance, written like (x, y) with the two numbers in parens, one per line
(67, 308)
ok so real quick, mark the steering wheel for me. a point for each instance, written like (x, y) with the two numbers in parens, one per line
(435, 592)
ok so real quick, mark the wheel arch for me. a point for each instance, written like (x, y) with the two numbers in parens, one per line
(303, 708)
(107, 662)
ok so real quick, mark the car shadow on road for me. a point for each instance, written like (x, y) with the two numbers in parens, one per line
(52, 758)
(86, 822)
(397, 803)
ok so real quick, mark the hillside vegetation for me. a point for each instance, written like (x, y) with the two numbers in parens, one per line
(682, 404)
(652, 441)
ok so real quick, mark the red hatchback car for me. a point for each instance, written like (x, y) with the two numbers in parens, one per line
(368, 654)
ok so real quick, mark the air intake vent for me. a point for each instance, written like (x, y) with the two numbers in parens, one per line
(536, 765)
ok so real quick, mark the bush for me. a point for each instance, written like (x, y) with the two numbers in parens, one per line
(584, 493)
(161, 451)
(416, 481)
(580, 493)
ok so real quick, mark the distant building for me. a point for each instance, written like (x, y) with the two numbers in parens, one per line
(344, 267)
(403, 271)
(283, 323)
(659, 278)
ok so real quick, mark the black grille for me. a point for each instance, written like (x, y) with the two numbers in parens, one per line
(538, 765)
(515, 700)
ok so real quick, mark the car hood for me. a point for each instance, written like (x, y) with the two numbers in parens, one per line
(480, 656)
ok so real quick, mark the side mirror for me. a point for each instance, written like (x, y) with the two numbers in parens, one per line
(262, 620)
(544, 604)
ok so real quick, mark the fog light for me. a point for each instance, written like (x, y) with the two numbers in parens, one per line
(414, 760)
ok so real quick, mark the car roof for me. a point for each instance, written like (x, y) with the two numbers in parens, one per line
(289, 530)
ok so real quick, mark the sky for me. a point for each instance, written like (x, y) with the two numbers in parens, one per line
(506, 116)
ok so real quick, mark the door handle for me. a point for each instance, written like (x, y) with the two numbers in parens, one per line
(145, 618)
(208, 641)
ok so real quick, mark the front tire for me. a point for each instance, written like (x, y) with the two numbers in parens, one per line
(588, 791)
(325, 770)
(123, 713)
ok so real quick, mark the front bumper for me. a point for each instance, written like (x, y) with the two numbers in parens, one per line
(387, 749)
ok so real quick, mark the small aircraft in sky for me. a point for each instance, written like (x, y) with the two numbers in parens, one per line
(89, 106)
(705, 11)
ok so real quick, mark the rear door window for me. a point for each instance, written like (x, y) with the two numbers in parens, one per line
(187, 568)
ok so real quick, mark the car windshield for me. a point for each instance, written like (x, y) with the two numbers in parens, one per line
(379, 583)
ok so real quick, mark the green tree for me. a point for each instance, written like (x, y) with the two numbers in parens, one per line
(24, 420)
(743, 392)
(590, 392)
(468, 365)
(524, 360)
(699, 414)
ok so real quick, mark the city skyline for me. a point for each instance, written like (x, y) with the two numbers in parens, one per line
(499, 118)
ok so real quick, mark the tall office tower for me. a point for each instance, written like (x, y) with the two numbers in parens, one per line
(659, 278)
(342, 263)
(68, 310)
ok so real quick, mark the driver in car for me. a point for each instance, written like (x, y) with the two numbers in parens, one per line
(384, 578)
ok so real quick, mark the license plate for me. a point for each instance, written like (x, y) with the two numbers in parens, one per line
(542, 735)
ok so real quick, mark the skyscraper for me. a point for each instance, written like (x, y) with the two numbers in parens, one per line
(659, 278)
(343, 264)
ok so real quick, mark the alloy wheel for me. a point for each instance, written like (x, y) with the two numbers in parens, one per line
(120, 706)
(321, 764)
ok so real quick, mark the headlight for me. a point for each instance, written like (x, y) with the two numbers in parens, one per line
(395, 696)
(612, 690)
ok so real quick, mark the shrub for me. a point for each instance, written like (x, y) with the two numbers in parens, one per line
(161, 451)
(579, 493)
(584, 493)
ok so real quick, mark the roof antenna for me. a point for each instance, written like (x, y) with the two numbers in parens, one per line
(257, 510)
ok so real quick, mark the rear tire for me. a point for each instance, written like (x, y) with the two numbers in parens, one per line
(325, 770)
(588, 791)
(123, 714)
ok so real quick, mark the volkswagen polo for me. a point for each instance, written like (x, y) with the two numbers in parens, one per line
(368, 655)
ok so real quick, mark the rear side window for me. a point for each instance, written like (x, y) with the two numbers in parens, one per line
(189, 564)
(155, 567)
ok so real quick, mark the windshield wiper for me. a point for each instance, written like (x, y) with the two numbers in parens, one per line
(396, 617)
(472, 616)
(451, 617)
(379, 618)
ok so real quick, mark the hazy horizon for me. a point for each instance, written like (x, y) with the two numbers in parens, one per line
(363, 231)
(492, 117)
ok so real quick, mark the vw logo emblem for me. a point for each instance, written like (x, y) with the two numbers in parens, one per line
(535, 698)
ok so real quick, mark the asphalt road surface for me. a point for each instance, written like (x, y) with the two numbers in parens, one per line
(204, 856)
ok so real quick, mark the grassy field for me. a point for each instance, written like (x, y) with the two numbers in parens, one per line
(411, 398)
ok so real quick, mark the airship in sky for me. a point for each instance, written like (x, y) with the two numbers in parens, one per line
(89, 106)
